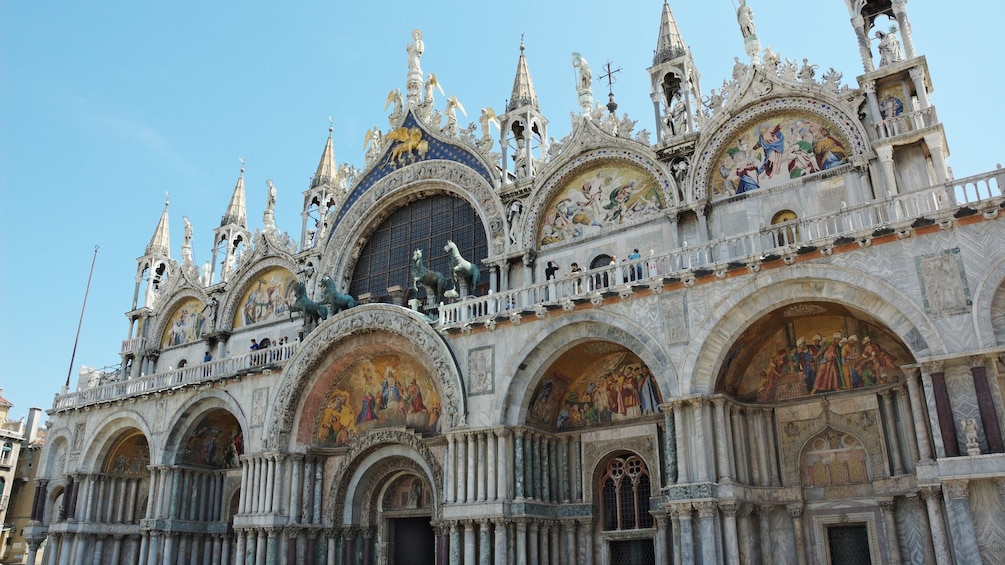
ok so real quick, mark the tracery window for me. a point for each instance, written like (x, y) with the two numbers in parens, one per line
(625, 490)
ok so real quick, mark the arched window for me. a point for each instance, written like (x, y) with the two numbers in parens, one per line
(788, 234)
(625, 490)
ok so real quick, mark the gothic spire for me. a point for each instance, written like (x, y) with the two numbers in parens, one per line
(160, 243)
(523, 86)
(326, 168)
(670, 43)
(237, 210)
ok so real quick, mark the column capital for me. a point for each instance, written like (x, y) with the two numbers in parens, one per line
(885, 503)
(681, 509)
(977, 360)
(705, 508)
(917, 73)
(957, 488)
(1001, 485)
(729, 507)
(869, 87)
(764, 510)
(911, 371)
(931, 491)
(932, 366)
(795, 509)
(718, 401)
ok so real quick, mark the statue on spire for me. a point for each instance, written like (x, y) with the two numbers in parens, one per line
(413, 81)
(752, 45)
(269, 216)
(584, 83)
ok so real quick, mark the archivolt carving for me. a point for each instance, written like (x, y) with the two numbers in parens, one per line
(399, 187)
(380, 476)
(235, 290)
(370, 442)
(360, 320)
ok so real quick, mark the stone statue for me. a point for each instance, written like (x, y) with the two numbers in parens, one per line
(970, 433)
(187, 242)
(739, 69)
(415, 50)
(584, 82)
(488, 118)
(807, 71)
(889, 48)
(207, 273)
(269, 216)
(745, 17)
(452, 106)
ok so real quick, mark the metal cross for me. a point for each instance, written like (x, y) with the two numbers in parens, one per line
(609, 75)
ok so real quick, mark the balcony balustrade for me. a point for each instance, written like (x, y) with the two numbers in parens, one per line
(859, 222)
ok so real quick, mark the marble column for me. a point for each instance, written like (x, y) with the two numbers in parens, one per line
(947, 426)
(706, 530)
(896, 462)
(682, 510)
(546, 473)
(563, 467)
(670, 443)
(585, 544)
(535, 465)
(450, 494)
(721, 443)
(700, 435)
(518, 465)
(796, 513)
(521, 541)
(484, 543)
(683, 473)
(544, 542)
(886, 506)
(470, 544)
(940, 540)
(533, 543)
(919, 412)
(731, 549)
(771, 455)
(569, 544)
(906, 424)
(764, 526)
(462, 467)
(504, 464)
(481, 466)
(501, 543)
(455, 544)
(492, 461)
(576, 468)
(961, 522)
(986, 405)
(296, 464)
(472, 468)
(747, 540)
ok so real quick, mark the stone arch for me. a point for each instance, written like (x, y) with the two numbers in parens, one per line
(107, 432)
(557, 335)
(397, 189)
(989, 307)
(190, 414)
(770, 290)
(563, 173)
(302, 367)
(164, 314)
(369, 462)
(53, 462)
(237, 287)
(729, 125)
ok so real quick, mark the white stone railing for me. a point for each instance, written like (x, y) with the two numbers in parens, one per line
(785, 239)
(906, 123)
(133, 344)
(177, 378)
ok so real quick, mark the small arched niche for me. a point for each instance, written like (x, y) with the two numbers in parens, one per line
(811, 348)
(833, 458)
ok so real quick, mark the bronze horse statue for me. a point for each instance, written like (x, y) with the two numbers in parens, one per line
(432, 279)
(462, 268)
(335, 300)
(312, 311)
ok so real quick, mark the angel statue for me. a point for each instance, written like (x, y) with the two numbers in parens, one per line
(452, 106)
(584, 82)
(393, 97)
(487, 120)
(372, 144)
(269, 215)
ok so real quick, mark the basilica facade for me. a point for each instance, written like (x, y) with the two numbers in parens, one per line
(767, 328)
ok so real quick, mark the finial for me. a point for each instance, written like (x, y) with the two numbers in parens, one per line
(521, 44)
(241, 159)
(167, 198)
(608, 74)
(331, 125)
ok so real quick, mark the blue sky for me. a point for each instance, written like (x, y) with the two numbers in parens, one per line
(106, 106)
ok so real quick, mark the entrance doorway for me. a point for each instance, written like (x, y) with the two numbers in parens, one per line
(413, 540)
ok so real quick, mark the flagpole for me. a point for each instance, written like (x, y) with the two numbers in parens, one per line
(87, 291)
